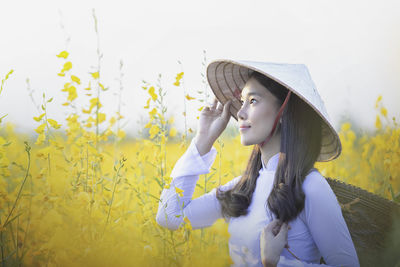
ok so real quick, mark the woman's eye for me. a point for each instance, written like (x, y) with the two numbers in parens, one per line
(241, 102)
(252, 100)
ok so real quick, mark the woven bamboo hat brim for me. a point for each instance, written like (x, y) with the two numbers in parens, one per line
(227, 79)
(373, 222)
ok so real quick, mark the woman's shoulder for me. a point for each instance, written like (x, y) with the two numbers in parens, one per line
(319, 196)
(315, 183)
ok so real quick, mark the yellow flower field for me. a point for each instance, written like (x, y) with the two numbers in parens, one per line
(85, 196)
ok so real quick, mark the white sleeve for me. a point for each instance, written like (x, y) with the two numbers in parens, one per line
(202, 211)
(328, 228)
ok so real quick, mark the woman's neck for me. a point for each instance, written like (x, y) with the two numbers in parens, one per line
(271, 148)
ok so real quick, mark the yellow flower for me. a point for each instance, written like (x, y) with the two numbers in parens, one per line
(54, 123)
(63, 54)
(93, 103)
(95, 75)
(153, 112)
(40, 139)
(153, 131)
(121, 134)
(201, 108)
(75, 79)
(40, 128)
(188, 223)
(147, 104)
(67, 66)
(66, 86)
(148, 125)
(112, 121)
(189, 97)
(346, 126)
(88, 88)
(119, 116)
(178, 78)
(38, 118)
(378, 123)
(172, 132)
(56, 144)
(152, 94)
(102, 87)
(384, 111)
(44, 152)
(102, 117)
(179, 191)
(377, 101)
(72, 93)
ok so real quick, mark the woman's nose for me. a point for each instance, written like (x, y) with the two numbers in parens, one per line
(241, 114)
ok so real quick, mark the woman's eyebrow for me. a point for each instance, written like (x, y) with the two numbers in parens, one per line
(252, 93)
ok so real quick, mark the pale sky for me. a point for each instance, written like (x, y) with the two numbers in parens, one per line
(352, 49)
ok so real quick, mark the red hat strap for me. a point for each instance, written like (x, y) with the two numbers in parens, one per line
(277, 119)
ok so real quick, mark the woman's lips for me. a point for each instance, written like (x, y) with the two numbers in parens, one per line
(243, 128)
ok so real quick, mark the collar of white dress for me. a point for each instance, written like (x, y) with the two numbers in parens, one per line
(272, 163)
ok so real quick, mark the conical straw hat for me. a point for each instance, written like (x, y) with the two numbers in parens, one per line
(228, 77)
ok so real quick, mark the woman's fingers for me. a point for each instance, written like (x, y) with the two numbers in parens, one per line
(273, 225)
(225, 112)
(214, 104)
(283, 233)
(220, 106)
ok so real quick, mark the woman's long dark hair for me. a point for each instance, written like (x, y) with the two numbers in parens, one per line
(300, 146)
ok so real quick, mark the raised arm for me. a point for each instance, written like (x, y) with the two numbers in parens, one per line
(202, 211)
(324, 218)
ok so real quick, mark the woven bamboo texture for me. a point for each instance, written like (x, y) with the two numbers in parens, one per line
(373, 222)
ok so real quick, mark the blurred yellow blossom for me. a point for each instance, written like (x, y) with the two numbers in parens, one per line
(39, 118)
(67, 66)
(152, 94)
(378, 123)
(178, 78)
(179, 191)
(172, 132)
(95, 75)
(63, 54)
(154, 130)
(40, 128)
(54, 123)
(189, 97)
(384, 111)
(75, 79)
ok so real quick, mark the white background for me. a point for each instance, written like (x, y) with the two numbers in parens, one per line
(352, 49)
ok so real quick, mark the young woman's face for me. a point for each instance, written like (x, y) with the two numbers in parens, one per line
(257, 114)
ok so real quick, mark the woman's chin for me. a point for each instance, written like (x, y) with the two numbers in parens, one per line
(246, 142)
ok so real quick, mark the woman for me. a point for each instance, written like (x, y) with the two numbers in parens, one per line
(279, 112)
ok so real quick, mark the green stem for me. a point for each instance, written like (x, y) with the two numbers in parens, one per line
(27, 149)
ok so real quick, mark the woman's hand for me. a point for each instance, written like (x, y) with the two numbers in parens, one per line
(273, 239)
(212, 123)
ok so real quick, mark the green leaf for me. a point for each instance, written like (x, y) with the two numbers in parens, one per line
(2, 118)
